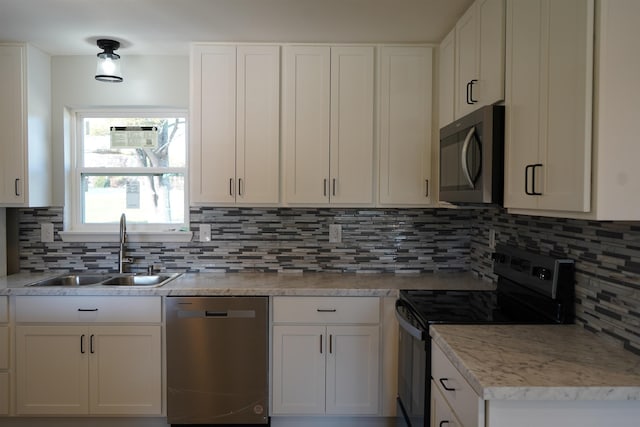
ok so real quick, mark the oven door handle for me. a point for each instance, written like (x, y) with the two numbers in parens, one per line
(404, 324)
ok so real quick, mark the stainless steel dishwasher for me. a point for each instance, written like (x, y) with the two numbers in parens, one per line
(217, 360)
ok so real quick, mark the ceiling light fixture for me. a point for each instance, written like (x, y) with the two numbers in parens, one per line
(108, 69)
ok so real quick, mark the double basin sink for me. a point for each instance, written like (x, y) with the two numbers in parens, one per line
(131, 280)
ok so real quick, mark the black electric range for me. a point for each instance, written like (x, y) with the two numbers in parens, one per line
(531, 288)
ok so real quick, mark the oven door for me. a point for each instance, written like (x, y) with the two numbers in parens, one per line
(413, 382)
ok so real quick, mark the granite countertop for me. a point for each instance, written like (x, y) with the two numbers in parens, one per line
(539, 362)
(310, 284)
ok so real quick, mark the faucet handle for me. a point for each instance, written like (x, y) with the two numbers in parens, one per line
(152, 269)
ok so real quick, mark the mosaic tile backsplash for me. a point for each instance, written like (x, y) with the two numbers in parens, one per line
(607, 257)
(272, 240)
(607, 254)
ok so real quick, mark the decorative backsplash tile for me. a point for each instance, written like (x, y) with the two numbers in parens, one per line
(607, 257)
(276, 239)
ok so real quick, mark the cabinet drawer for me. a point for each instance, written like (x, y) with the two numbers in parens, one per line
(326, 310)
(88, 309)
(4, 393)
(4, 309)
(4, 347)
(441, 413)
(466, 404)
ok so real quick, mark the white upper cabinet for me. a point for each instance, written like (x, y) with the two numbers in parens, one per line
(479, 56)
(351, 146)
(328, 125)
(578, 148)
(616, 175)
(446, 78)
(25, 120)
(548, 115)
(235, 133)
(404, 125)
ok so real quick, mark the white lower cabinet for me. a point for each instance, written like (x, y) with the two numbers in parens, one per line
(461, 405)
(455, 404)
(321, 367)
(91, 369)
(4, 356)
(441, 414)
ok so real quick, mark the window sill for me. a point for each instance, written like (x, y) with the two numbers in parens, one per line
(132, 236)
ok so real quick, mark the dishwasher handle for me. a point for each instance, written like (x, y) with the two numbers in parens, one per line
(217, 314)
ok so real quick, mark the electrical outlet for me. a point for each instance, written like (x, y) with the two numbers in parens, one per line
(205, 232)
(492, 239)
(335, 233)
(46, 232)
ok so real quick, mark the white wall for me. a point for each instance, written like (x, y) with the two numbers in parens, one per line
(149, 81)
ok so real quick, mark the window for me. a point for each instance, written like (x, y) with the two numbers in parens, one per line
(132, 163)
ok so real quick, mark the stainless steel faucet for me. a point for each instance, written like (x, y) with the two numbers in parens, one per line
(123, 240)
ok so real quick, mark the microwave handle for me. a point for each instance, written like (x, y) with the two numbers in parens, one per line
(463, 159)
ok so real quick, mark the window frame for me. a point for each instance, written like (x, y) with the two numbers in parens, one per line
(77, 170)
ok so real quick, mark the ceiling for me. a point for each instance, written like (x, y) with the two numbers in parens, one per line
(71, 27)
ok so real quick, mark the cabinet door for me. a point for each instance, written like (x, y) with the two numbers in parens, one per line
(351, 149)
(405, 125)
(12, 111)
(446, 78)
(213, 131)
(522, 110)
(352, 370)
(306, 103)
(548, 104)
(565, 152)
(258, 125)
(125, 370)
(491, 36)
(467, 62)
(4, 393)
(52, 370)
(441, 413)
(299, 369)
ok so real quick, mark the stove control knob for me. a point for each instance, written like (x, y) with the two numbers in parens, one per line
(543, 273)
(498, 257)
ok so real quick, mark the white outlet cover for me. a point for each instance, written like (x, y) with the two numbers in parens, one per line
(205, 232)
(492, 239)
(335, 233)
(46, 232)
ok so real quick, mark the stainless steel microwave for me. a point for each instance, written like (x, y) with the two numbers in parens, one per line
(472, 157)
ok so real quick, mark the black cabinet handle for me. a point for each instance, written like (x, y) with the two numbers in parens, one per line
(533, 191)
(443, 423)
(533, 180)
(91, 344)
(526, 180)
(468, 89)
(16, 187)
(426, 192)
(326, 310)
(334, 187)
(87, 309)
(231, 187)
(320, 344)
(324, 187)
(240, 187)
(442, 381)
(471, 83)
(82, 343)
(330, 343)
